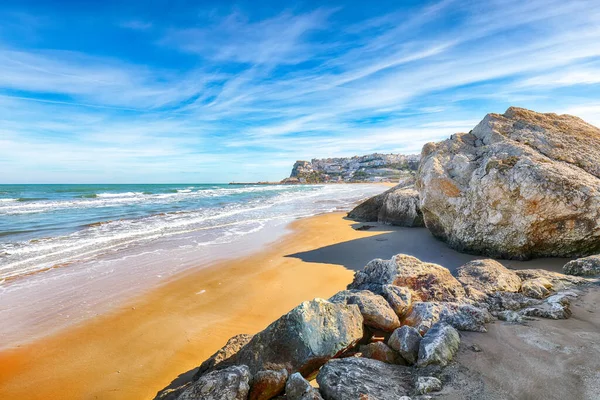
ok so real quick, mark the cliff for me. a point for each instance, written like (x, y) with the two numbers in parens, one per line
(368, 168)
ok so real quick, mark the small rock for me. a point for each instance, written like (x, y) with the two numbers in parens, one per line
(267, 384)
(381, 352)
(231, 383)
(558, 281)
(298, 388)
(375, 310)
(536, 288)
(438, 346)
(475, 348)
(398, 297)
(363, 378)
(405, 340)
(501, 301)
(428, 384)
(461, 316)
(510, 316)
(587, 266)
(555, 307)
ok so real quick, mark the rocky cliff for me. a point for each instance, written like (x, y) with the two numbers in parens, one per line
(369, 168)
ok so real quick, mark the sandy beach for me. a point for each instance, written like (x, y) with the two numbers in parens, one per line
(135, 351)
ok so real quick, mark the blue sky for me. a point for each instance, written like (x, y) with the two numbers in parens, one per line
(188, 91)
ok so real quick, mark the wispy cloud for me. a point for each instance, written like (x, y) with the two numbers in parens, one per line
(201, 94)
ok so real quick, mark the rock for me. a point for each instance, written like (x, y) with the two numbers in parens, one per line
(401, 207)
(510, 316)
(304, 339)
(399, 298)
(461, 316)
(267, 384)
(222, 357)
(368, 210)
(427, 282)
(298, 388)
(232, 383)
(555, 307)
(482, 277)
(363, 378)
(381, 352)
(588, 266)
(438, 346)
(536, 288)
(375, 310)
(501, 301)
(428, 384)
(519, 185)
(558, 281)
(405, 340)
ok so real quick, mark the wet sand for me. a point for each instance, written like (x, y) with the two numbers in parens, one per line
(141, 347)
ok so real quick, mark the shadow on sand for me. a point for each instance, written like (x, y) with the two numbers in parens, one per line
(416, 242)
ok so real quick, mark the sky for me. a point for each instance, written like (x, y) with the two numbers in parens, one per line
(199, 91)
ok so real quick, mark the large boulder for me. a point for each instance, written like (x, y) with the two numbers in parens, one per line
(397, 206)
(363, 378)
(222, 358)
(482, 277)
(231, 383)
(304, 339)
(588, 266)
(427, 282)
(438, 346)
(519, 185)
(375, 310)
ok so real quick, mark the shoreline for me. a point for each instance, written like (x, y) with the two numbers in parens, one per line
(138, 348)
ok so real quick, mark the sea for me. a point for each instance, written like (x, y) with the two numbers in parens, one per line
(68, 251)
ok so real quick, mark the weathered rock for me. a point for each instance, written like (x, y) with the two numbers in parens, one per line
(588, 266)
(401, 207)
(221, 358)
(381, 352)
(554, 307)
(519, 185)
(536, 288)
(375, 310)
(304, 339)
(438, 346)
(298, 388)
(268, 384)
(398, 297)
(461, 316)
(558, 281)
(428, 384)
(368, 210)
(427, 282)
(363, 378)
(232, 383)
(482, 277)
(501, 301)
(406, 340)
(510, 316)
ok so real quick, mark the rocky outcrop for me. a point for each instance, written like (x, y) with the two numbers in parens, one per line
(519, 185)
(231, 383)
(398, 206)
(298, 388)
(363, 378)
(368, 168)
(588, 266)
(482, 277)
(304, 339)
(375, 310)
(438, 346)
(427, 282)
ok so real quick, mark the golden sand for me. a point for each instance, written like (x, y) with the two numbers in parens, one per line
(141, 347)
